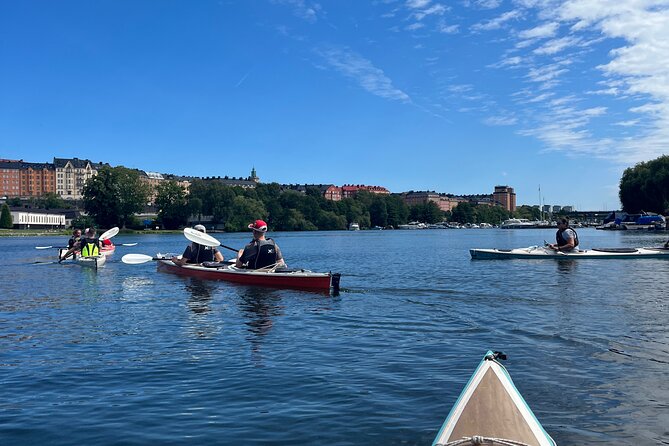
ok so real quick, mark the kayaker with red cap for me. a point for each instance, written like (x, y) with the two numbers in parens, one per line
(196, 253)
(261, 252)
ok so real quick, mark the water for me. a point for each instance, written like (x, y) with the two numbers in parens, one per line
(127, 355)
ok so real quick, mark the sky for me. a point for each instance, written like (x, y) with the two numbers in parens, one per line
(553, 98)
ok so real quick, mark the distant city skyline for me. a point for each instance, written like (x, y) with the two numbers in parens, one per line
(409, 94)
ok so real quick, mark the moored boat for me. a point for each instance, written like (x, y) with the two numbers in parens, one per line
(542, 252)
(490, 410)
(271, 277)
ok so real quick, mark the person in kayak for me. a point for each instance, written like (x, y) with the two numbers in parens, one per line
(76, 235)
(261, 252)
(196, 253)
(88, 245)
(566, 239)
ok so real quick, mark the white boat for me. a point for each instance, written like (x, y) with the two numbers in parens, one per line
(354, 227)
(518, 223)
(491, 411)
(91, 261)
(542, 252)
(413, 225)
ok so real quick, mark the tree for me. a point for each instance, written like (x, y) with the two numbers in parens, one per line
(173, 209)
(114, 195)
(15, 201)
(528, 212)
(463, 213)
(6, 218)
(645, 187)
(50, 200)
(378, 213)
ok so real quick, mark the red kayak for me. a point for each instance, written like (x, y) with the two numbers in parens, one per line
(279, 277)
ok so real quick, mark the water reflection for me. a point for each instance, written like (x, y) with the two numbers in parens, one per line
(200, 295)
(566, 266)
(260, 306)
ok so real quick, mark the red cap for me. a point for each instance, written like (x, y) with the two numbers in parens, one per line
(258, 225)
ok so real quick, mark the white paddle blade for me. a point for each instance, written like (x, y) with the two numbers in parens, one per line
(109, 234)
(43, 247)
(200, 237)
(128, 244)
(135, 259)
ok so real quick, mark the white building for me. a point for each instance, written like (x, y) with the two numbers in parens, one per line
(71, 175)
(37, 220)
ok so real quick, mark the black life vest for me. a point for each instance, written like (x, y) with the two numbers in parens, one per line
(201, 253)
(89, 246)
(561, 241)
(72, 241)
(259, 254)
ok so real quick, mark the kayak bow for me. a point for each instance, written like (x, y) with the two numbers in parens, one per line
(491, 411)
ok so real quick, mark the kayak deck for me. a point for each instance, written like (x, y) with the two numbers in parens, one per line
(281, 278)
(540, 252)
(491, 407)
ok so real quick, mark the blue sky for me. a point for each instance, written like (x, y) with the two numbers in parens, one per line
(454, 96)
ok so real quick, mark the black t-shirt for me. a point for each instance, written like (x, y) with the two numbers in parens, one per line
(196, 253)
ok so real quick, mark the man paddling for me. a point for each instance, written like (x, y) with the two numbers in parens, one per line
(261, 252)
(88, 246)
(196, 253)
(566, 239)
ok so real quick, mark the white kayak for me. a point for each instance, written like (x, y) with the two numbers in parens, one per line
(542, 252)
(92, 261)
(491, 411)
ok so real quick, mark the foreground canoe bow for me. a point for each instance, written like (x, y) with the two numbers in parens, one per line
(541, 252)
(279, 277)
(491, 411)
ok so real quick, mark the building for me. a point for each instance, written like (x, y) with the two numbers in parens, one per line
(21, 179)
(331, 192)
(445, 202)
(506, 197)
(153, 179)
(37, 179)
(10, 178)
(71, 175)
(184, 182)
(42, 219)
(351, 190)
(556, 208)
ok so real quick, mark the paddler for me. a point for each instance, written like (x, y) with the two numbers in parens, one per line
(89, 245)
(196, 253)
(76, 235)
(566, 239)
(261, 252)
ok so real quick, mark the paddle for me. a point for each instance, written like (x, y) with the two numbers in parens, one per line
(137, 259)
(46, 247)
(204, 239)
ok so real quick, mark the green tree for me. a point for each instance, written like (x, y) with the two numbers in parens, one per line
(528, 212)
(645, 187)
(378, 212)
(15, 201)
(243, 211)
(6, 217)
(173, 209)
(114, 195)
(463, 213)
(50, 200)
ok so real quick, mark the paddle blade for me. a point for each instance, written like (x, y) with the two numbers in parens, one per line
(43, 247)
(200, 237)
(109, 234)
(128, 244)
(136, 259)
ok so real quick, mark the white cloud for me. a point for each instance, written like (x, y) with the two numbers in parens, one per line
(497, 22)
(500, 120)
(303, 9)
(417, 4)
(361, 70)
(556, 45)
(540, 32)
(436, 9)
(442, 27)
(414, 26)
(488, 4)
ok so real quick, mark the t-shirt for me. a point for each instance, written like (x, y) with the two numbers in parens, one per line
(196, 253)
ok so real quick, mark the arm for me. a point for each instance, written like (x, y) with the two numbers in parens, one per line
(218, 256)
(238, 262)
(69, 252)
(279, 256)
(184, 257)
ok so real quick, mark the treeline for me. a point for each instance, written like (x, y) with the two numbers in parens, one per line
(116, 194)
(645, 187)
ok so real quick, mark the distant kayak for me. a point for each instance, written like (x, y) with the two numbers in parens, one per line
(272, 277)
(542, 252)
(491, 411)
(105, 250)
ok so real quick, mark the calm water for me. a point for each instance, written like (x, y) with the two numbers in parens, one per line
(127, 355)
